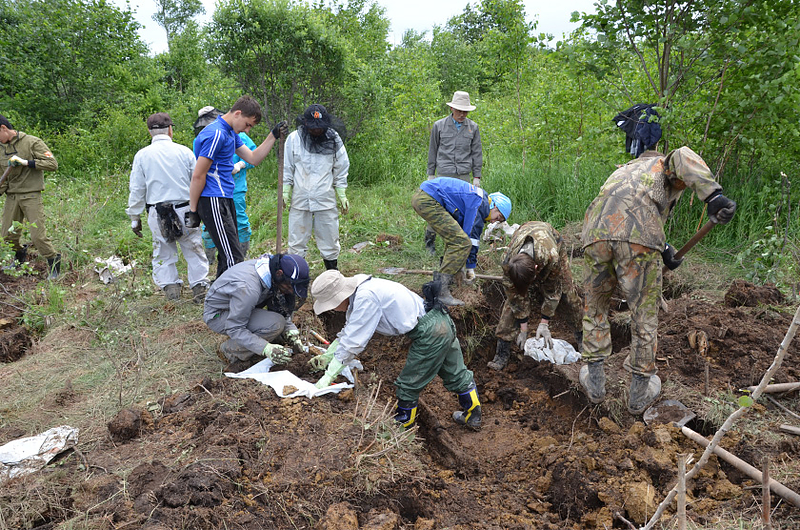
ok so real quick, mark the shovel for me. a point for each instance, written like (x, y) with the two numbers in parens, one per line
(392, 271)
(675, 412)
(692, 242)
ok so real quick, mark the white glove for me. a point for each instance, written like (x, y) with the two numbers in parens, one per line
(476, 181)
(238, 166)
(543, 332)
(469, 275)
(521, 339)
(17, 161)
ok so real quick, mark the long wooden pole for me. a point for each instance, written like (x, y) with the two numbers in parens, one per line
(279, 221)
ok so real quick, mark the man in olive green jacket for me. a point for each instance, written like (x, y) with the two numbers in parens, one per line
(28, 157)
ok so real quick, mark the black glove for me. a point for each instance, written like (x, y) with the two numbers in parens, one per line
(136, 227)
(191, 219)
(281, 128)
(720, 208)
(668, 256)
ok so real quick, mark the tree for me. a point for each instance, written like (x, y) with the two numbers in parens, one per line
(719, 69)
(60, 59)
(175, 15)
(278, 51)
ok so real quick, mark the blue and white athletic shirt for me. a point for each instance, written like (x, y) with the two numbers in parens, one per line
(219, 143)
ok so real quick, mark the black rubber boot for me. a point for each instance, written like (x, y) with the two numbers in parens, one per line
(21, 255)
(470, 415)
(444, 291)
(644, 391)
(501, 357)
(331, 264)
(579, 341)
(406, 413)
(54, 266)
(593, 380)
(430, 241)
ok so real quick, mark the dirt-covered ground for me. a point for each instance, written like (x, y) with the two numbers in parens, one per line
(230, 454)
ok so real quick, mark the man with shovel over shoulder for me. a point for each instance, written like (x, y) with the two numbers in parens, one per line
(374, 305)
(23, 159)
(623, 238)
(536, 261)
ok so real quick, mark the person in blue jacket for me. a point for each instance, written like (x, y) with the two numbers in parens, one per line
(457, 211)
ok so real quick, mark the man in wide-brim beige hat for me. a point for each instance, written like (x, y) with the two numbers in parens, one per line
(455, 150)
(461, 102)
(374, 305)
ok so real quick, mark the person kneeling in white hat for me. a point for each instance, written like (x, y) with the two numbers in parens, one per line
(389, 308)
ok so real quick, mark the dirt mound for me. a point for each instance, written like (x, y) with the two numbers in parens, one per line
(742, 293)
(230, 454)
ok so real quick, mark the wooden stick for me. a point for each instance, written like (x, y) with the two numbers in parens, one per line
(421, 271)
(707, 379)
(682, 492)
(787, 411)
(791, 429)
(743, 466)
(766, 502)
(726, 425)
(776, 388)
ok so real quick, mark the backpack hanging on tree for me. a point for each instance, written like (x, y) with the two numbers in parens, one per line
(641, 133)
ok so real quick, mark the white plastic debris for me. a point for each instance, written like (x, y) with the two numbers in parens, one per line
(110, 268)
(358, 247)
(282, 379)
(497, 231)
(561, 353)
(27, 455)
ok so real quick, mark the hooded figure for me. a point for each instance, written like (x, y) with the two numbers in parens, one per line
(314, 175)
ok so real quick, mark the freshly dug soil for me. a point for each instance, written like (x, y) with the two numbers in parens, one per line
(231, 454)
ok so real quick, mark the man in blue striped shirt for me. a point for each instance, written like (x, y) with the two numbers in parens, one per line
(211, 190)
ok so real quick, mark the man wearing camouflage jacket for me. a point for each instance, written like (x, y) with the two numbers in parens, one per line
(28, 157)
(623, 237)
(536, 258)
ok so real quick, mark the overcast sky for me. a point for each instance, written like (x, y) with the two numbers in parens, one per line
(420, 15)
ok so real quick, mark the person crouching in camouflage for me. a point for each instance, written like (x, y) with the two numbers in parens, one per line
(536, 259)
(623, 236)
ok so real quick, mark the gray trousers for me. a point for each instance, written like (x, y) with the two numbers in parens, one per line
(266, 324)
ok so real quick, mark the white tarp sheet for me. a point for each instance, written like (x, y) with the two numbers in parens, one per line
(562, 352)
(283, 379)
(26, 455)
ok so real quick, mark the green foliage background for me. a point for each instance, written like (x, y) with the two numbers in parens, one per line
(724, 74)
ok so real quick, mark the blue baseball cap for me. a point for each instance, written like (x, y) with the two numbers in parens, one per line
(295, 268)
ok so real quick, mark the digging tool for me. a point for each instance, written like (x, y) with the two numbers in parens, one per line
(318, 337)
(5, 174)
(675, 412)
(279, 221)
(706, 228)
(392, 271)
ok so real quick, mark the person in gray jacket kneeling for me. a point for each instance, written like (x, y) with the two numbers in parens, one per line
(252, 302)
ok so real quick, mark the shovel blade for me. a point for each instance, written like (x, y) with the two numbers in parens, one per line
(668, 411)
(391, 270)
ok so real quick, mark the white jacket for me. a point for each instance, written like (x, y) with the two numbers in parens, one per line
(314, 176)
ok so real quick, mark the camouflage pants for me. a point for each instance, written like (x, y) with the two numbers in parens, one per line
(456, 242)
(507, 327)
(637, 271)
